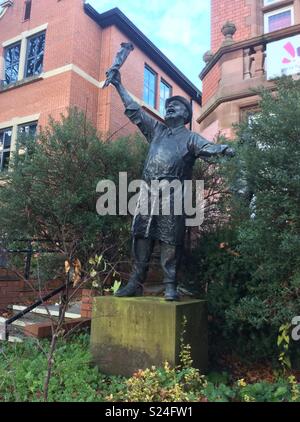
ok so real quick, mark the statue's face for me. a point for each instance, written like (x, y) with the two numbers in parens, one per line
(175, 110)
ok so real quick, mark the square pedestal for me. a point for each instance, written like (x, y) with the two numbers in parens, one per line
(128, 334)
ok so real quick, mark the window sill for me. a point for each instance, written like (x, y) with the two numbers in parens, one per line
(276, 6)
(22, 82)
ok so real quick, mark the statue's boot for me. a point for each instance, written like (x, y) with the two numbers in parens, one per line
(132, 288)
(169, 256)
(141, 249)
(171, 293)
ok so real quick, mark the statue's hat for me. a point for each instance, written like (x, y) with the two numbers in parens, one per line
(185, 102)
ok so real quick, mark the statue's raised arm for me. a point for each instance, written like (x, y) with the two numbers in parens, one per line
(121, 56)
(133, 110)
(113, 73)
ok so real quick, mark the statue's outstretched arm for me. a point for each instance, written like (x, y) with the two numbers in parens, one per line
(113, 74)
(201, 147)
(114, 78)
(133, 110)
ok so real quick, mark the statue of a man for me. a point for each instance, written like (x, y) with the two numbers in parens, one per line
(172, 153)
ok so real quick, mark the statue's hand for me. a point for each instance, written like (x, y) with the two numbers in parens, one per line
(230, 152)
(113, 77)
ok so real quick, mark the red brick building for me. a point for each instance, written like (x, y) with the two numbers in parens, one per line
(54, 54)
(252, 42)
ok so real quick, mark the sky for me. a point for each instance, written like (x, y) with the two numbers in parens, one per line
(179, 28)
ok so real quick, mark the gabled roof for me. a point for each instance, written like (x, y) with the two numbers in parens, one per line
(117, 18)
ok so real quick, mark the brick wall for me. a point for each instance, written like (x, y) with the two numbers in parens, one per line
(84, 96)
(210, 83)
(15, 291)
(10, 286)
(72, 37)
(87, 45)
(48, 96)
(237, 11)
(87, 302)
(52, 95)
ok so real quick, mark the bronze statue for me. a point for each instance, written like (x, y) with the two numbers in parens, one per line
(121, 56)
(172, 153)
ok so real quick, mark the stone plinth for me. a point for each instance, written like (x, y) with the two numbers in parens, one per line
(128, 334)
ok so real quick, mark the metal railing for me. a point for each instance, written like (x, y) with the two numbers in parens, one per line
(30, 251)
(30, 308)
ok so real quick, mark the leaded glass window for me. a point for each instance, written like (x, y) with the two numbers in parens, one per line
(35, 55)
(12, 62)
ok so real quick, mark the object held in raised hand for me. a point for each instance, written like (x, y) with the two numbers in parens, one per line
(121, 56)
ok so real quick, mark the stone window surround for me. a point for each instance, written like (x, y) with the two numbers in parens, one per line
(258, 9)
(276, 5)
(275, 10)
(14, 124)
(245, 111)
(23, 38)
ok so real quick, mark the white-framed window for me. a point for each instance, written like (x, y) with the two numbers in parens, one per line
(165, 92)
(150, 82)
(278, 19)
(5, 145)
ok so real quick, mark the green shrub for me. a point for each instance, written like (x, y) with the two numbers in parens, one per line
(250, 267)
(74, 379)
(51, 193)
(284, 390)
(23, 369)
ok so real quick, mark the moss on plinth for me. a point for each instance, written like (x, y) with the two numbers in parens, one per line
(128, 334)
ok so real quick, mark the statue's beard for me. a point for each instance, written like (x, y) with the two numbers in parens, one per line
(168, 118)
(174, 120)
(172, 117)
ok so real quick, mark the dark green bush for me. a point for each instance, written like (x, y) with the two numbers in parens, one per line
(23, 369)
(250, 267)
(51, 192)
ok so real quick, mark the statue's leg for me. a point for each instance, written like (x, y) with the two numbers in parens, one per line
(170, 257)
(141, 251)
